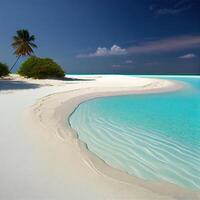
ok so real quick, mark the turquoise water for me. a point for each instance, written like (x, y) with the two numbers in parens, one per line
(152, 136)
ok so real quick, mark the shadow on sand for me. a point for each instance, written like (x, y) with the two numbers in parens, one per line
(17, 85)
(8, 84)
(76, 79)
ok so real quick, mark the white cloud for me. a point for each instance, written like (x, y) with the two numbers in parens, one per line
(100, 52)
(154, 46)
(116, 66)
(116, 50)
(166, 8)
(129, 61)
(171, 11)
(166, 45)
(188, 56)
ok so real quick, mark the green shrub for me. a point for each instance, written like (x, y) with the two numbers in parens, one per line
(3, 69)
(40, 68)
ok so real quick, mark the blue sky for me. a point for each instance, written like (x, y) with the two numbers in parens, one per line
(108, 36)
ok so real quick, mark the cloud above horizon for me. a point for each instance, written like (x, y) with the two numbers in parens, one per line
(103, 51)
(154, 46)
(171, 7)
(167, 45)
(116, 66)
(188, 56)
(129, 61)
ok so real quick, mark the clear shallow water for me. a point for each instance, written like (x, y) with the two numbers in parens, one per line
(153, 136)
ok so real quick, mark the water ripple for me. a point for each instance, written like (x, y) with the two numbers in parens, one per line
(145, 153)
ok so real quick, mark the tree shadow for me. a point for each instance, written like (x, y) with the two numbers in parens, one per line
(17, 85)
(9, 84)
(76, 79)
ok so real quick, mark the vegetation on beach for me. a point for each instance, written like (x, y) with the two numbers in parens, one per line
(23, 43)
(3, 69)
(33, 67)
(40, 68)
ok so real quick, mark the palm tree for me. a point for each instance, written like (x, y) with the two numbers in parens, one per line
(23, 44)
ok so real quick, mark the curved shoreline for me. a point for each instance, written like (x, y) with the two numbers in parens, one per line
(63, 109)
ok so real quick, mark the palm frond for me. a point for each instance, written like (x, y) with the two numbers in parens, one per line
(33, 45)
(23, 43)
(32, 38)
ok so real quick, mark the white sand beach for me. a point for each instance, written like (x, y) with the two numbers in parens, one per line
(41, 157)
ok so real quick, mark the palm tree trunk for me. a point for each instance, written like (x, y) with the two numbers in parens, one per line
(14, 63)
